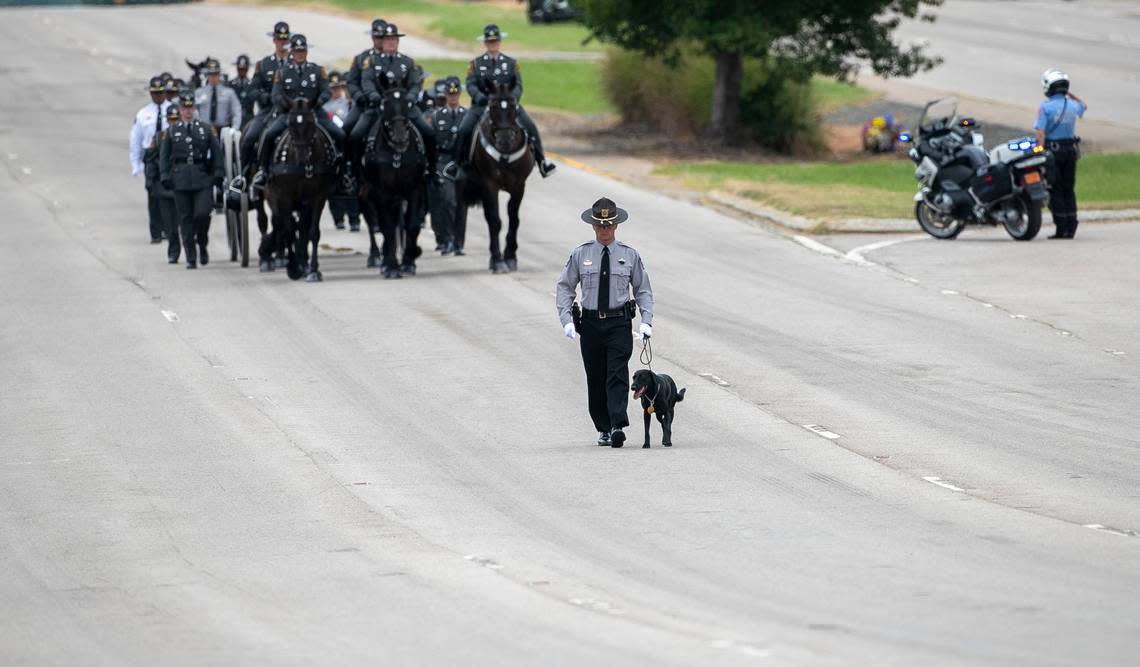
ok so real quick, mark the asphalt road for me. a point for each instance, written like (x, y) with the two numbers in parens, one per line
(225, 467)
(994, 54)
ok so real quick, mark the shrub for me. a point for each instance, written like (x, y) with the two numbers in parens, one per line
(776, 107)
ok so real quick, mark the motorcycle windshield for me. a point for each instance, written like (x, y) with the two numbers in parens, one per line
(938, 115)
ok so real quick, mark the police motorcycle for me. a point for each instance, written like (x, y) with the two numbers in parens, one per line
(961, 184)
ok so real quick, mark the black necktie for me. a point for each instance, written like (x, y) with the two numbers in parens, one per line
(604, 281)
(213, 105)
(158, 121)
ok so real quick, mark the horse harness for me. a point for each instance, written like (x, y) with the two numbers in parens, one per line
(494, 153)
(305, 151)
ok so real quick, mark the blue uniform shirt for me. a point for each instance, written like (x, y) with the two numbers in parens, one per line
(1056, 125)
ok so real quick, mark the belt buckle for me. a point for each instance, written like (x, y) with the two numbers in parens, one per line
(601, 314)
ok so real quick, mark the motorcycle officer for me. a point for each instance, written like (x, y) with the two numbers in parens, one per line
(1056, 128)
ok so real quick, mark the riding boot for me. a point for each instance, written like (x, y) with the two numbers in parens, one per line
(545, 167)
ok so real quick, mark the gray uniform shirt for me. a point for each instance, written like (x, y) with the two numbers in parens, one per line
(228, 113)
(627, 272)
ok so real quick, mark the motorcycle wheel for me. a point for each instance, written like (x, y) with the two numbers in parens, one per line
(938, 225)
(1028, 223)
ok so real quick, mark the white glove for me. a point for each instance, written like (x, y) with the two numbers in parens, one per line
(569, 332)
(645, 330)
(135, 171)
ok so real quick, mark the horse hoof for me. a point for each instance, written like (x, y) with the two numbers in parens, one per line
(408, 270)
(313, 277)
(512, 265)
(500, 267)
(265, 266)
(373, 261)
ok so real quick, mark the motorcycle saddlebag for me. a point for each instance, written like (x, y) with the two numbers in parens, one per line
(991, 182)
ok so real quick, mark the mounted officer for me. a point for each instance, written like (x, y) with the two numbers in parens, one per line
(263, 75)
(484, 74)
(1056, 128)
(218, 105)
(244, 87)
(298, 78)
(448, 217)
(190, 162)
(386, 71)
(148, 123)
(356, 94)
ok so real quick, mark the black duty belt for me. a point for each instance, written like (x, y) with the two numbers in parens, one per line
(1064, 142)
(624, 311)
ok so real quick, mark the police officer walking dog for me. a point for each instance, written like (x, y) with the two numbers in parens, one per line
(1057, 130)
(607, 270)
(190, 161)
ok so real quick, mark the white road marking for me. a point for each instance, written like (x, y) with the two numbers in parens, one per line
(1114, 531)
(856, 254)
(812, 244)
(170, 315)
(1118, 353)
(596, 605)
(946, 485)
(1017, 317)
(1064, 333)
(714, 379)
(821, 431)
(950, 292)
(13, 156)
(987, 305)
(27, 170)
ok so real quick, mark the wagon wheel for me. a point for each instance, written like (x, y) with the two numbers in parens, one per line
(243, 229)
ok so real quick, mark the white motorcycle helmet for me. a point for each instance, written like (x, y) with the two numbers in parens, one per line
(1054, 82)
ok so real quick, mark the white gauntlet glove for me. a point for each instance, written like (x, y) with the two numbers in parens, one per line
(568, 331)
(645, 330)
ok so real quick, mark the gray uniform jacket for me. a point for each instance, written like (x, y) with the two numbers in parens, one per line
(190, 156)
(227, 106)
(626, 272)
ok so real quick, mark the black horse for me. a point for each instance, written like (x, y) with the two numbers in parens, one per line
(302, 175)
(395, 163)
(501, 160)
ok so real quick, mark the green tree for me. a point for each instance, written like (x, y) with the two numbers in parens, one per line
(831, 37)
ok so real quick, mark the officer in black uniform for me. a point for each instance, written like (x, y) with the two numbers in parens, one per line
(388, 70)
(244, 87)
(298, 78)
(483, 75)
(607, 270)
(164, 196)
(263, 74)
(173, 90)
(448, 217)
(190, 162)
(359, 99)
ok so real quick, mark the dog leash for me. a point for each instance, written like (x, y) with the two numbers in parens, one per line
(647, 353)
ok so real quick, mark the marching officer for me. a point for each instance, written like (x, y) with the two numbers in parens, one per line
(148, 123)
(483, 75)
(173, 89)
(356, 94)
(343, 203)
(244, 87)
(218, 104)
(190, 161)
(1057, 130)
(263, 74)
(607, 270)
(296, 79)
(165, 197)
(380, 73)
(448, 217)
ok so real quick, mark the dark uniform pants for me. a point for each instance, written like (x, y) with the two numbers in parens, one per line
(607, 346)
(251, 134)
(154, 213)
(193, 208)
(170, 224)
(1062, 197)
(448, 217)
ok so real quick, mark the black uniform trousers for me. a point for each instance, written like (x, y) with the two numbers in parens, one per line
(251, 135)
(170, 224)
(448, 216)
(607, 346)
(154, 213)
(193, 208)
(1062, 195)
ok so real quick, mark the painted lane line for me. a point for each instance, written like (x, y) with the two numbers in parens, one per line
(950, 292)
(821, 431)
(938, 481)
(596, 605)
(1114, 352)
(812, 244)
(715, 380)
(170, 315)
(1114, 531)
(856, 254)
(27, 170)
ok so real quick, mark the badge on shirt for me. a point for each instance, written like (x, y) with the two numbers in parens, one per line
(621, 260)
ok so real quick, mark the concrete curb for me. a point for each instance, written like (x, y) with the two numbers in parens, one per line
(800, 223)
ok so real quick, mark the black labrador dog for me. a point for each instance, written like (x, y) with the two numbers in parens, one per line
(659, 396)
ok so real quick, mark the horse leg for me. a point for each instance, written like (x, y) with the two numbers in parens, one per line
(388, 211)
(412, 227)
(513, 204)
(294, 262)
(494, 226)
(368, 210)
(282, 237)
(312, 224)
(268, 242)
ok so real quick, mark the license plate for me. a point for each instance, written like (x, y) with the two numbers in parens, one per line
(1032, 177)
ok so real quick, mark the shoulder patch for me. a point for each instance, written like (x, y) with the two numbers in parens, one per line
(324, 75)
(367, 62)
(471, 67)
